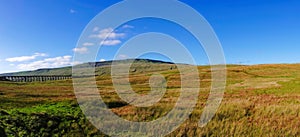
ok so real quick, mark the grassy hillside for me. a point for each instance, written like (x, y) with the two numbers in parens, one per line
(99, 67)
(260, 100)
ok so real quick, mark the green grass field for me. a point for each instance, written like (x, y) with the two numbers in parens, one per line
(260, 100)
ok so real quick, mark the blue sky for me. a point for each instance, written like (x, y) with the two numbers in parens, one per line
(40, 34)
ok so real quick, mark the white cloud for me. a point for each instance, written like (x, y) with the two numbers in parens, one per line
(110, 42)
(47, 63)
(127, 26)
(108, 36)
(122, 56)
(25, 58)
(72, 11)
(108, 33)
(81, 50)
(88, 44)
(40, 54)
(102, 60)
(96, 29)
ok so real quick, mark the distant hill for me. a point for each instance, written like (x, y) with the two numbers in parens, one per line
(101, 67)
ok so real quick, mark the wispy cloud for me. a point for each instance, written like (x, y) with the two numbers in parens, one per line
(127, 26)
(47, 63)
(81, 50)
(110, 42)
(108, 36)
(72, 11)
(122, 56)
(88, 44)
(102, 60)
(25, 58)
(96, 29)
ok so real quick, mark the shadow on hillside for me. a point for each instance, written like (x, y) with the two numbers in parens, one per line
(116, 104)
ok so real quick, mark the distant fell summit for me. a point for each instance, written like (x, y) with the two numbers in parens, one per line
(68, 70)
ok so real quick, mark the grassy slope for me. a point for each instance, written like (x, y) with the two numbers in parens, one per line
(261, 100)
(68, 70)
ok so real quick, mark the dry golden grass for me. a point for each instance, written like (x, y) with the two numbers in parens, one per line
(260, 100)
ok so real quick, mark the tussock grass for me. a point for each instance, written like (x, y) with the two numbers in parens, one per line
(260, 100)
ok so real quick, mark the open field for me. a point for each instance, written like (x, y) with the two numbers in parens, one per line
(260, 100)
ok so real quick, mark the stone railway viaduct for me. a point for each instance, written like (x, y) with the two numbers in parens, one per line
(33, 78)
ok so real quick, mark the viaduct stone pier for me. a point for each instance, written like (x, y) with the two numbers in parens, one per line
(33, 78)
